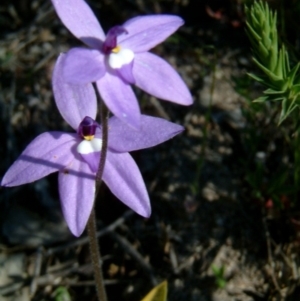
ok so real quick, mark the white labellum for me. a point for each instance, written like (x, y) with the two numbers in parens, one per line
(86, 147)
(123, 57)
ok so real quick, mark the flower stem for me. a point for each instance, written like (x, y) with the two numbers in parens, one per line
(96, 257)
(104, 124)
(91, 226)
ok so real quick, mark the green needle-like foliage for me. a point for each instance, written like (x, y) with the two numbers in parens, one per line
(271, 59)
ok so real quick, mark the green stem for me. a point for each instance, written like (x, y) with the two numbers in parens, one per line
(91, 226)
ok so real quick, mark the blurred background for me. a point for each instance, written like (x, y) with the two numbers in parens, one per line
(225, 193)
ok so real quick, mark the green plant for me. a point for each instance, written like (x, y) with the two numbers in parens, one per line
(272, 58)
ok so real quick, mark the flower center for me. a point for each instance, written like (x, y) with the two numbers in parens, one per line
(87, 128)
(86, 131)
(119, 59)
(110, 44)
(116, 49)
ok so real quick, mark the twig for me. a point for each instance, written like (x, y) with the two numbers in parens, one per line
(160, 109)
(291, 264)
(187, 263)
(45, 60)
(270, 255)
(37, 271)
(80, 283)
(10, 288)
(85, 240)
(135, 255)
(173, 259)
(60, 266)
(53, 279)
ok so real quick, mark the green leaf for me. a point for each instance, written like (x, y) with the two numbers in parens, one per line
(262, 31)
(287, 61)
(61, 294)
(258, 79)
(278, 98)
(273, 55)
(261, 99)
(219, 274)
(254, 20)
(292, 74)
(252, 32)
(273, 92)
(271, 95)
(269, 73)
(296, 89)
(263, 51)
(158, 293)
(287, 109)
(279, 69)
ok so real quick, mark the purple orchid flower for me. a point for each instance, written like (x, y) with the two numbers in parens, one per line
(76, 155)
(121, 58)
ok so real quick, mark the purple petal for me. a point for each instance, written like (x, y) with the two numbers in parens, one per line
(155, 76)
(125, 72)
(153, 131)
(125, 181)
(77, 193)
(82, 66)
(77, 16)
(120, 99)
(74, 102)
(47, 153)
(146, 32)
